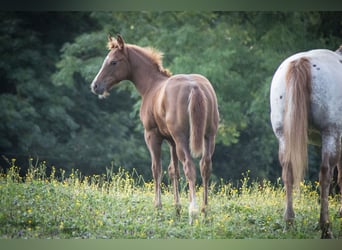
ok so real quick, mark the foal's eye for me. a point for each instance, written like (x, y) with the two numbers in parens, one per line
(113, 62)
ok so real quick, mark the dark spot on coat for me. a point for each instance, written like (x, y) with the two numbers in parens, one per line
(340, 61)
(281, 97)
(314, 65)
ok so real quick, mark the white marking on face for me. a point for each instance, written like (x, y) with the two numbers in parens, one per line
(103, 64)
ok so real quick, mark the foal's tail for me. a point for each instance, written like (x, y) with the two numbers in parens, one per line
(298, 90)
(197, 117)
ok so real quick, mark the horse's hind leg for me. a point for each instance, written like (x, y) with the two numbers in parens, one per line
(331, 146)
(206, 167)
(287, 177)
(289, 214)
(339, 181)
(173, 170)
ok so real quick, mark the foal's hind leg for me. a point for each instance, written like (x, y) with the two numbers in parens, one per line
(173, 170)
(206, 167)
(331, 146)
(183, 153)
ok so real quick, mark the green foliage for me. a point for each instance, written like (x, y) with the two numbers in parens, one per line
(29, 111)
(83, 56)
(119, 205)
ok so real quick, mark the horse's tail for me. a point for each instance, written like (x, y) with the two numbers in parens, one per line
(298, 90)
(197, 117)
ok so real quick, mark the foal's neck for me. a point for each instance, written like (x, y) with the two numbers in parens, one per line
(144, 73)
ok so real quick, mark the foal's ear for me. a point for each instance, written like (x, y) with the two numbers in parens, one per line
(120, 41)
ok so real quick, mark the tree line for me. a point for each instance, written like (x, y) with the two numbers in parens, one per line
(50, 58)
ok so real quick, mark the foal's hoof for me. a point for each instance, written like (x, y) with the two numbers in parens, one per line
(158, 207)
(289, 218)
(289, 223)
(178, 208)
(193, 215)
(204, 211)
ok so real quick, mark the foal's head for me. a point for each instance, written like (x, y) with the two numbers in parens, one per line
(115, 68)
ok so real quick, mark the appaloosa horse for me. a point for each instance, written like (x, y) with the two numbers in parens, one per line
(181, 109)
(306, 106)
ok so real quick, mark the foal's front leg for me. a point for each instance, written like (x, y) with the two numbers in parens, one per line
(154, 141)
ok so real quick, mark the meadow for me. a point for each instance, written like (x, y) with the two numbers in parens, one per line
(119, 205)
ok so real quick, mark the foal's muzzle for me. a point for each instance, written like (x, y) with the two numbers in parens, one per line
(97, 88)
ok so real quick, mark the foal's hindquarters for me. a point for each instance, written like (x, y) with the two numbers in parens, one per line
(187, 117)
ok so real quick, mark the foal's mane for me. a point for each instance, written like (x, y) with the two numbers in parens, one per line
(155, 55)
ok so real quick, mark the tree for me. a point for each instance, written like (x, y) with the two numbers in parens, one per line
(36, 120)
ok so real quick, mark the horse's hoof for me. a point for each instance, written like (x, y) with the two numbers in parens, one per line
(326, 232)
(327, 235)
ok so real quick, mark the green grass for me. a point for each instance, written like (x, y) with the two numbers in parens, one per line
(120, 205)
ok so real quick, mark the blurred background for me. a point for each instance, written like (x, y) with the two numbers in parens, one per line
(48, 60)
